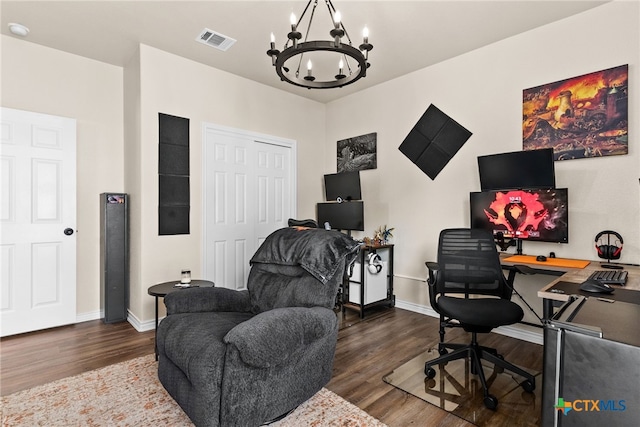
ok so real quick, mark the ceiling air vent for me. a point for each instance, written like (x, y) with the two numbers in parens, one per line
(213, 39)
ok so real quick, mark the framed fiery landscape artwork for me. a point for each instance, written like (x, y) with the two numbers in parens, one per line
(584, 116)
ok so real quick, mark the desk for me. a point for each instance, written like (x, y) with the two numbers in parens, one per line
(559, 293)
(591, 368)
(581, 367)
(577, 276)
(162, 289)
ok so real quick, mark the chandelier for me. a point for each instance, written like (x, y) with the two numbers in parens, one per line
(347, 63)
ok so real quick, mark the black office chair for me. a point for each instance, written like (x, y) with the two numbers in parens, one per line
(468, 289)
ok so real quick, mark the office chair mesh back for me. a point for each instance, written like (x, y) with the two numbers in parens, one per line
(470, 264)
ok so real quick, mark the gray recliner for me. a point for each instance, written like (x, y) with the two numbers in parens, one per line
(243, 358)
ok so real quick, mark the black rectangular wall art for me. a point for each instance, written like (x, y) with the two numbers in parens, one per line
(173, 175)
(433, 141)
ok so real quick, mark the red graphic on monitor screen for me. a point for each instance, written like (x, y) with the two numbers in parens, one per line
(532, 214)
(520, 212)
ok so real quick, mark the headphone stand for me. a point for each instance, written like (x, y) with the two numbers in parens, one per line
(607, 252)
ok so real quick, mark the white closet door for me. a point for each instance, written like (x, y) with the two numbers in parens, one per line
(249, 191)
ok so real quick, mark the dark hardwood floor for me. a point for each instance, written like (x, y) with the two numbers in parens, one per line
(40, 357)
(367, 350)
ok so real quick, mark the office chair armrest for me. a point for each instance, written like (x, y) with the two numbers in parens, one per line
(433, 268)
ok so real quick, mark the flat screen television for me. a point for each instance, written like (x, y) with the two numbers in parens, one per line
(517, 170)
(540, 214)
(343, 186)
(341, 216)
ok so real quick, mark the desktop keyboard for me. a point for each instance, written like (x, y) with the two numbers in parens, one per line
(615, 277)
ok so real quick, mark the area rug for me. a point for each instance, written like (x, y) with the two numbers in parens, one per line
(457, 391)
(130, 394)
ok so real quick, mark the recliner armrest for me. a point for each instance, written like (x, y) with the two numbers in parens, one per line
(273, 337)
(196, 300)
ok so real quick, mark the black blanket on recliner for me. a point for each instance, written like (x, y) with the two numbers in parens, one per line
(316, 250)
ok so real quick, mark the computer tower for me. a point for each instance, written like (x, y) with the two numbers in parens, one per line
(114, 256)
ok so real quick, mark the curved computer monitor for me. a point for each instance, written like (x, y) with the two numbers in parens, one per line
(518, 169)
(540, 214)
(344, 186)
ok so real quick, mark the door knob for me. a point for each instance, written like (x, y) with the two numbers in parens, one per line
(68, 231)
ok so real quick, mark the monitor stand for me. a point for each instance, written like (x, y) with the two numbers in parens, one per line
(518, 246)
(611, 266)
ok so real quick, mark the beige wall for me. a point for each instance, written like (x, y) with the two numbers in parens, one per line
(43, 80)
(173, 85)
(482, 90)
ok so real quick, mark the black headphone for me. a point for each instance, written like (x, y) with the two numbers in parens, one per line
(375, 263)
(609, 251)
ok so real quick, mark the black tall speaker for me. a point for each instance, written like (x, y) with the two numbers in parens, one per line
(114, 256)
(433, 141)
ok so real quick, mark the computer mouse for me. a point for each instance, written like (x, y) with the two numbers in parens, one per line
(591, 285)
(541, 258)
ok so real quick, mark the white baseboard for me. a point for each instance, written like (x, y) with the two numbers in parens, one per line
(92, 315)
(140, 326)
(137, 324)
(513, 331)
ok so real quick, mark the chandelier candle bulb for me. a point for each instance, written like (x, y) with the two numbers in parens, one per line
(337, 19)
(294, 35)
(365, 35)
(273, 52)
(337, 32)
(309, 77)
(340, 67)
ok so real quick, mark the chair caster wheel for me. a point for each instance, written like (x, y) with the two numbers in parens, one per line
(429, 372)
(490, 402)
(528, 386)
(442, 351)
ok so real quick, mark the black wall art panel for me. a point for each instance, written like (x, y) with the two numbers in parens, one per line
(433, 141)
(173, 175)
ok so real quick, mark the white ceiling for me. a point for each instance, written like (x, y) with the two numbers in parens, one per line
(406, 35)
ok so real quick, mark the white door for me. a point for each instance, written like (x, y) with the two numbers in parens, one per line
(249, 192)
(38, 270)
